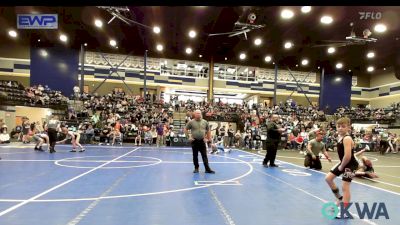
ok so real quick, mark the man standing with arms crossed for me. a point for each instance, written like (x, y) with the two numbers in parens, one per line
(200, 135)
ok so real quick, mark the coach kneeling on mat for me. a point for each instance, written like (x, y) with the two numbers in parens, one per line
(314, 147)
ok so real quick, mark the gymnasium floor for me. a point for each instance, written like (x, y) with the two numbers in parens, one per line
(143, 186)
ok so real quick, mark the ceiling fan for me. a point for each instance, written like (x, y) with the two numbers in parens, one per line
(116, 12)
(350, 40)
(242, 27)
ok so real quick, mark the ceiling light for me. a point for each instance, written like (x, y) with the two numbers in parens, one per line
(380, 28)
(242, 56)
(305, 9)
(384, 68)
(160, 47)
(43, 53)
(304, 62)
(63, 37)
(98, 23)
(257, 41)
(338, 79)
(192, 34)
(370, 68)
(326, 20)
(287, 14)
(339, 65)
(288, 45)
(188, 51)
(116, 47)
(38, 40)
(297, 65)
(268, 58)
(331, 50)
(319, 67)
(156, 29)
(85, 44)
(370, 55)
(273, 63)
(226, 58)
(12, 33)
(113, 42)
(349, 70)
(200, 56)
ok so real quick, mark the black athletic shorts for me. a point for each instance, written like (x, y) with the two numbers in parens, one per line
(348, 172)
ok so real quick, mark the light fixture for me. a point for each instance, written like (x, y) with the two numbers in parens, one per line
(192, 34)
(326, 19)
(384, 68)
(98, 23)
(319, 67)
(297, 65)
(160, 47)
(339, 66)
(380, 28)
(304, 62)
(200, 56)
(85, 44)
(38, 40)
(188, 51)
(370, 55)
(12, 33)
(268, 58)
(305, 9)
(43, 53)
(273, 63)
(331, 50)
(113, 42)
(349, 71)
(338, 79)
(226, 58)
(288, 45)
(257, 41)
(287, 14)
(116, 47)
(156, 29)
(370, 68)
(242, 56)
(63, 38)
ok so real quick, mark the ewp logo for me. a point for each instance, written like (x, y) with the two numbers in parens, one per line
(37, 21)
(331, 211)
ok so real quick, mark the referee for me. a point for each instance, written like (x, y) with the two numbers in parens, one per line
(199, 129)
(52, 127)
(273, 139)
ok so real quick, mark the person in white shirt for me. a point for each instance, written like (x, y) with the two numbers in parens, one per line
(4, 136)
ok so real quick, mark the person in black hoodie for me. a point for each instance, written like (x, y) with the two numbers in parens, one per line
(273, 138)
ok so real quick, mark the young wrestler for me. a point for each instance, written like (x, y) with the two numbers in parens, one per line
(75, 136)
(365, 168)
(41, 138)
(347, 165)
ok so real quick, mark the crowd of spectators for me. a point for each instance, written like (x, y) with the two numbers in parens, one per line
(370, 114)
(38, 95)
(120, 116)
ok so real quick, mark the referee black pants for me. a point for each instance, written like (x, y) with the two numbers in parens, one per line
(200, 146)
(272, 148)
(52, 137)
